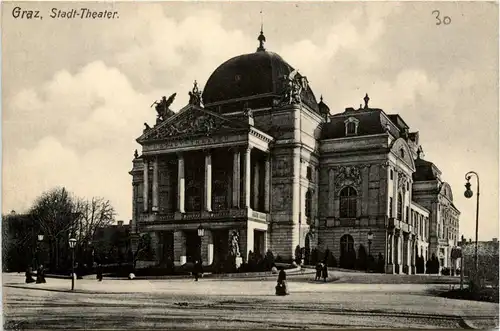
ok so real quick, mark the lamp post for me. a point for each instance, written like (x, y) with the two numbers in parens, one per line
(462, 246)
(72, 244)
(201, 233)
(40, 240)
(468, 194)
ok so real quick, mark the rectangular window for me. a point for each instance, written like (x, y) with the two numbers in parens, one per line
(392, 174)
(309, 173)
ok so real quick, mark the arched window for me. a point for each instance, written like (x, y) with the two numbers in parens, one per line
(400, 207)
(308, 203)
(348, 201)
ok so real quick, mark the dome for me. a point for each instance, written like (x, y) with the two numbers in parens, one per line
(323, 107)
(250, 80)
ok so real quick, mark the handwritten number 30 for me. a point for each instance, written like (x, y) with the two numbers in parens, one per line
(446, 20)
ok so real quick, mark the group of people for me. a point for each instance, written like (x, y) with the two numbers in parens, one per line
(40, 275)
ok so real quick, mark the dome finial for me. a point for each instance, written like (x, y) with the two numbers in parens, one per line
(261, 37)
(321, 98)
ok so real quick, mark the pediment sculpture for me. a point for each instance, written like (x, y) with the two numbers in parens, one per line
(194, 122)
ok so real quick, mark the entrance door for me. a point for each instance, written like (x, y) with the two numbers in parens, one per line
(221, 246)
(193, 246)
(258, 243)
(347, 252)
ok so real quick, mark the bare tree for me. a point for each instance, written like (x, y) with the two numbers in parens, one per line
(92, 214)
(55, 212)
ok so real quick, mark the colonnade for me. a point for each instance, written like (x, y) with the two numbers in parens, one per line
(207, 201)
(402, 251)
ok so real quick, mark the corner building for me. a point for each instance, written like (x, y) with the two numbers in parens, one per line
(257, 156)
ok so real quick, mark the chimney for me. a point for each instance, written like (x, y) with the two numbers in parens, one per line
(120, 223)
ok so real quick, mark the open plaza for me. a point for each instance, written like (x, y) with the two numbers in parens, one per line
(347, 299)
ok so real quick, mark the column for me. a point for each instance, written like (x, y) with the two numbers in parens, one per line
(179, 248)
(236, 179)
(246, 176)
(256, 188)
(395, 194)
(267, 183)
(331, 192)
(180, 184)
(391, 248)
(397, 255)
(414, 255)
(155, 185)
(207, 248)
(146, 186)
(208, 181)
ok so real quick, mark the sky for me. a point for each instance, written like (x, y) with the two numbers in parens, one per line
(77, 92)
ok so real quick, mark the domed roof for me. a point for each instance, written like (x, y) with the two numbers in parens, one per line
(323, 107)
(254, 79)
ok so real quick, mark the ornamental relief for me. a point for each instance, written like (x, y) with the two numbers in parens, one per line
(282, 168)
(193, 122)
(347, 176)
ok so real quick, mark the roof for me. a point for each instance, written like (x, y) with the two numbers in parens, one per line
(425, 170)
(253, 80)
(371, 121)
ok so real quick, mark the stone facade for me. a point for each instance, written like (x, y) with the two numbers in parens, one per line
(273, 170)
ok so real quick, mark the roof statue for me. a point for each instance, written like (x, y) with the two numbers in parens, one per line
(293, 85)
(195, 95)
(366, 98)
(136, 154)
(162, 107)
(262, 40)
(146, 127)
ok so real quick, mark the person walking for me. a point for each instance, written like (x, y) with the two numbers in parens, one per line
(319, 268)
(324, 272)
(99, 272)
(40, 275)
(29, 276)
(281, 286)
(198, 270)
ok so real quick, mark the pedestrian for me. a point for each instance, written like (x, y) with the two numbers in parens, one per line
(319, 268)
(281, 286)
(29, 276)
(197, 270)
(99, 272)
(40, 275)
(324, 272)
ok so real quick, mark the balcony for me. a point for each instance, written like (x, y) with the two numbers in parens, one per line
(397, 224)
(201, 215)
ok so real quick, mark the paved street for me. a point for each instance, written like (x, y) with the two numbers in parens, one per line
(217, 303)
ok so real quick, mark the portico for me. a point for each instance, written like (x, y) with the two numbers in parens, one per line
(218, 179)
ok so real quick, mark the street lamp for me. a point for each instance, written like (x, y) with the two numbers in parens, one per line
(72, 244)
(40, 240)
(468, 194)
(201, 233)
(370, 239)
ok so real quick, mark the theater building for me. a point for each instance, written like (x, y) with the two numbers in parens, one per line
(256, 160)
